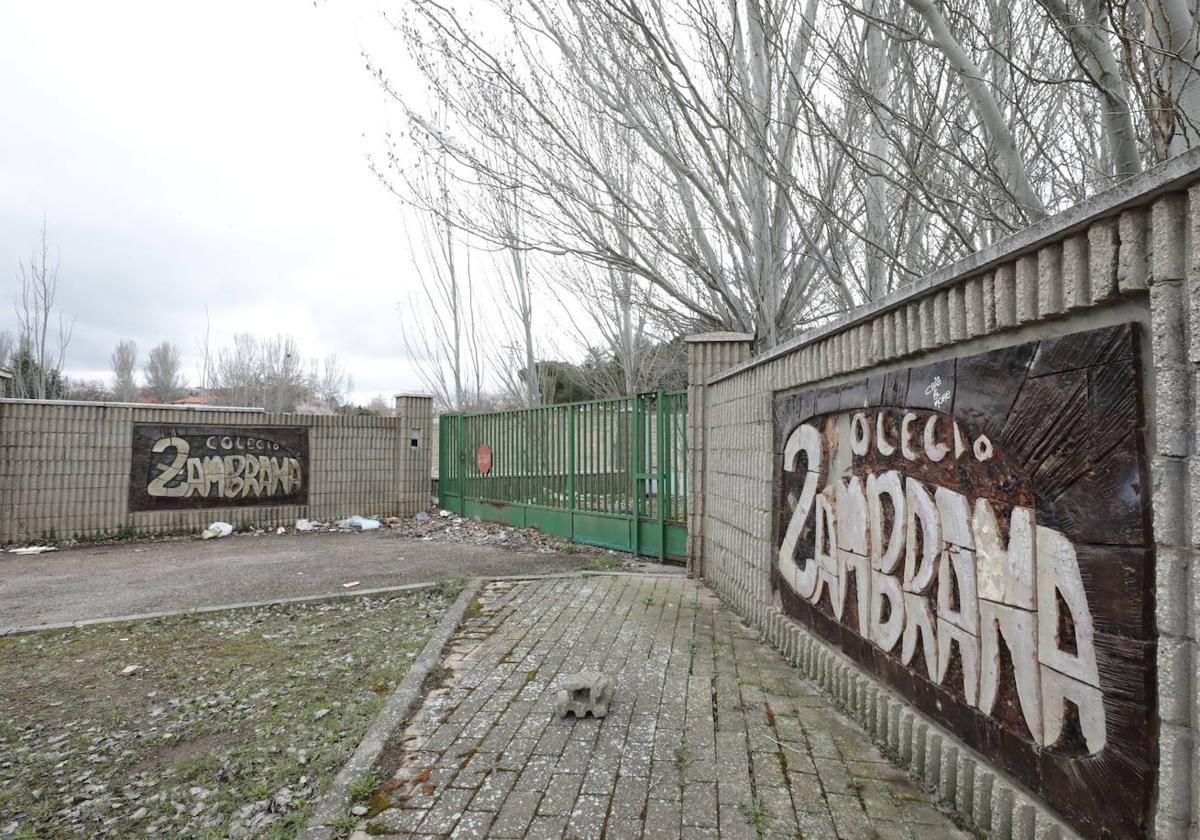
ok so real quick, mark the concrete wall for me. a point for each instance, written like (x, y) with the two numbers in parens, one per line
(1131, 254)
(65, 467)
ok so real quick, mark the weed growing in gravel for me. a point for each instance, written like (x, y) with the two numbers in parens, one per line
(756, 815)
(362, 787)
(343, 825)
(605, 563)
(451, 587)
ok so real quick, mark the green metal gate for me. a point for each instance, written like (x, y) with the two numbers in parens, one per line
(611, 473)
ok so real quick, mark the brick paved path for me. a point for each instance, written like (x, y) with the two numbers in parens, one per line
(711, 733)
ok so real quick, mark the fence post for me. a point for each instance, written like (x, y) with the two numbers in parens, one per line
(660, 472)
(708, 355)
(635, 525)
(460, 456)
(414, 481)
(571, 469)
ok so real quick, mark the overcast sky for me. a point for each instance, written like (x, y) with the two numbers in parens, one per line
(188, 155)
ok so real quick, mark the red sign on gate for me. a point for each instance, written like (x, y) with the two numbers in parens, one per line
(483, 458)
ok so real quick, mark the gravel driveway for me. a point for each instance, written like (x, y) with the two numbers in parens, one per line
(139, 577)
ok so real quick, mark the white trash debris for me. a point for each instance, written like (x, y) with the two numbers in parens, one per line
(281, 530)
(217, 529)
(359, 522)
(422, 516)
(33, 549)
(306, 525)
(130, 669)
(446, 514)
(351, 584)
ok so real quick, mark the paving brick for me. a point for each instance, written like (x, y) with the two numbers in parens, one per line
(663, 819)
(711, 733)
(446, 812)
(516, 814)
(546, 828)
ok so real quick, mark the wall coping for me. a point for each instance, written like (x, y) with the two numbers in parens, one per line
(153, 406)
(412, 394)
(1139, 190)
(717, 337)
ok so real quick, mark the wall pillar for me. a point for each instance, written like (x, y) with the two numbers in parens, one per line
(414, 452)
(708, 355)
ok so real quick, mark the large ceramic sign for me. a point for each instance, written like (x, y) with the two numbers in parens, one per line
(205, 466)
(975, 533)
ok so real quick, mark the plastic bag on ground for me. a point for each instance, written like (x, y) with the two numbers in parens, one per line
(359, 522)
(217, 529)
(305, 525)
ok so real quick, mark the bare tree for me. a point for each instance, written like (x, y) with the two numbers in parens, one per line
(204, 346)
(85, 390)
(707, 218)
(733, 145)
(124, 368)
(379, 406)
(6, 347)
(163, 372)
(760, 166)
(41, 343)
(331, 383)
(268, 373)
(271, 373)
(439, 325)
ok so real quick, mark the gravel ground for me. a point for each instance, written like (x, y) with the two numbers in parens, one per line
(134, 577)
(221, 725)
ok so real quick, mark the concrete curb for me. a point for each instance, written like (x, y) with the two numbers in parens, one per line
(335, 801)
(299, 599)
(583, 573)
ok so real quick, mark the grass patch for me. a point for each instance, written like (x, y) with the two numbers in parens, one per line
(757, 815)
(192, 725)
(605, 563)
(362, 787)
(451, 587)
(343, 825)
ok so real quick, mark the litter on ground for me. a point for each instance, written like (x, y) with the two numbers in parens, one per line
(217, 529)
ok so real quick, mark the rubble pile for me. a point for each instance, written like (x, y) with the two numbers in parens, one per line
(437, 524)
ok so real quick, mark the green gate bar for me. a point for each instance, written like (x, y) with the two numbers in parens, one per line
(610, 473)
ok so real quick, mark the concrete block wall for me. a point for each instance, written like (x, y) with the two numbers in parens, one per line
(65, 467)
(1129, 254)
(708, 354)
(415, 450)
